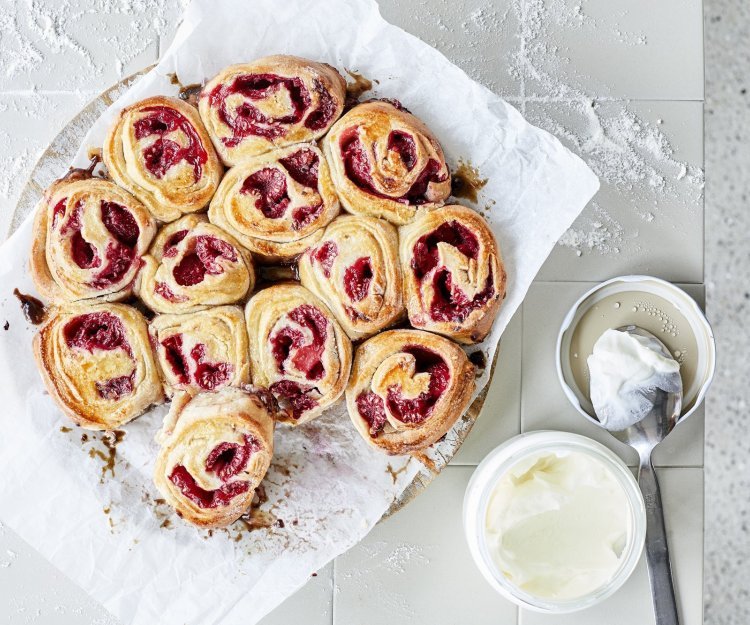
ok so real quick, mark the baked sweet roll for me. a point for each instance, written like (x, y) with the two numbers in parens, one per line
(97, 364)
(251, 108)
(355, 270)
(277, 204)
(192, 265)
(89, 237)
(454, 277)
(159, 150)
(385, 162)
(215, 450)
(407, 389)
(297, 350)
(201, 351)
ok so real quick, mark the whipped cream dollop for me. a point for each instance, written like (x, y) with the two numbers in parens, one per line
(626, 372)
(558, 524)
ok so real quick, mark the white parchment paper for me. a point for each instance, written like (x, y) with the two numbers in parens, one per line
(88, 504)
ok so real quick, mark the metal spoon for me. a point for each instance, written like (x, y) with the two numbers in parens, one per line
(643, 437)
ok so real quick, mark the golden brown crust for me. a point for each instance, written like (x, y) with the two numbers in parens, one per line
(479, 276)
(168, 282)
(236, 420)
(298, 350)
(319, 83)
(407, 363)
(168, 190)
(397, 150)
(355, 270)
(84, 382)
(202, 351)
(274, 215)
(70, 217)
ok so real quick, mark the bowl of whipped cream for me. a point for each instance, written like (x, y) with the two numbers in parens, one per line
(554, 521)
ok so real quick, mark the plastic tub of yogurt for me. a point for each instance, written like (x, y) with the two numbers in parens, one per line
(554, 521)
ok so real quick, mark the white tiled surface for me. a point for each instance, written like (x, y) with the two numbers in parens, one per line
(625, 59)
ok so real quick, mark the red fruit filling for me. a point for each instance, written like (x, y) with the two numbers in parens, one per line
(293, 396)
(417, 409)
(269, 187)
(371, 409)
(96, 330)
(289, 342)
(321, 116)
(303, 167)
(403, 144)
(116, 388)
(58, 211)
(173, 353)
(207, 375)
(357, 168)
(84, 254)
(120, 223)
(229, 459)
(193, 267)
(164, 153)
(305, 215)
(425, 252)
(357, 278)
(450, 303)
(325, 254)
(119, 259)
(247, 119)
(170, 247)
(221, 496)
(162, 289)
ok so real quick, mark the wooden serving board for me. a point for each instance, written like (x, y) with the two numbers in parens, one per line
(56, 160)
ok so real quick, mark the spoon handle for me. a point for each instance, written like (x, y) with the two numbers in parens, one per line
(657, 551)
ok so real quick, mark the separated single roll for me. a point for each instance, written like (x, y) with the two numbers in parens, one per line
(192, 265)
(355, 270)
(298, 350)
(96, 363)
(407, 389)
(159, 150)
(89, 237)
(202, 351)
(454, 277)
(386, 163)
(215, 450)
(277, 204)
(275, 101)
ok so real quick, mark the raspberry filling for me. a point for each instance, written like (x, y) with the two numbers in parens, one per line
(96, 330)
(269, 187)
(294, 396)
(417, 409)
(173, 353)
(193, 267)
(358, 169)
(450, 303)
(321, 117)
(371, 409)
(357, 278)
(116, 388)
(289, 343)
(207, 375)
(425, 253)
(119, 259)
(84, 253)
(403, 144)
(164, 153)
(120, 223)
(170, 247)
(58, 211)
(247, 120)
(229, 459)
(162, 289)
(303, 166)
(305, 215)
(325, 254)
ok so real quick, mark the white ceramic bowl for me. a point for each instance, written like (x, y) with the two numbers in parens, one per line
(496, 464)
(685, 304)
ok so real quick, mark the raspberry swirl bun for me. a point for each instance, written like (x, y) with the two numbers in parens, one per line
(201, 351)
(89, 236)
(385, 162)
(355, 270)
(407, 389)
(454, 277)
(215, 450)
(251, 108)
(96, 363)
(297, 350)
(277, 204)
(159, 150)
(192, 265)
